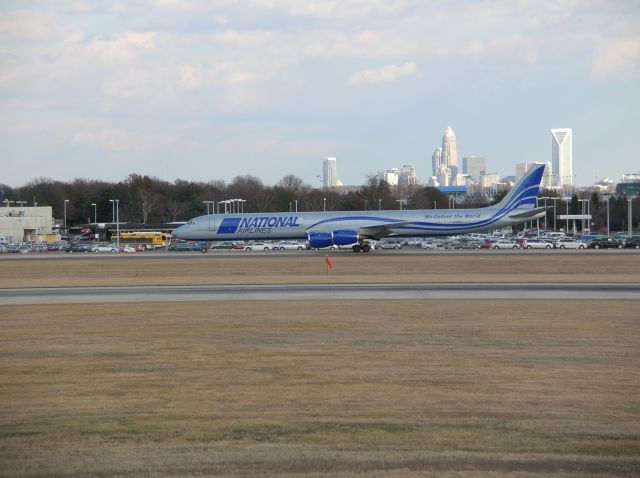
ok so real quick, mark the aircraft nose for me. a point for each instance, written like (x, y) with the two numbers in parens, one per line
(177, 233)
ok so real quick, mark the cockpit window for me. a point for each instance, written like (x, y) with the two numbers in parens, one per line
(192, 222)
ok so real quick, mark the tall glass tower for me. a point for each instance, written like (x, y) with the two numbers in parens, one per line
(562, 156)
(329, 173)
(450, 152)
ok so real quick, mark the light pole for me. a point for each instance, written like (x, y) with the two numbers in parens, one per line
(324, 201)
(296, 201)
(65, 213)
(118, 221)
(95, 213)
(582, 208)
(113, 210)
(290, 206)
(630, 216)
(566, 199)
(379, 204)
(606, 198)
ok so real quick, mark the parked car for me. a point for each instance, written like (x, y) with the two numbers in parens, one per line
(288, 245)
(536, 244)
(607, 243)
(633, 241)
(127, 248)
(503, 244)
(181, 246)
(55, 246)
(569, 243)
(257, 246)
(390, 244)
(77, 247)
(222, 245)
(103, 248)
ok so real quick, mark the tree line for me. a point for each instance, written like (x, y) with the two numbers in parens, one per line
(149, 200)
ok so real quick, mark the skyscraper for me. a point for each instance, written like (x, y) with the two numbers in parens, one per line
(474, 166)
(329, 173)
(562, 156)
(450, 152)
(407, 175)
(436, 159)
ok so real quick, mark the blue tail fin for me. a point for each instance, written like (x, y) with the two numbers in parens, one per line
(524, 193)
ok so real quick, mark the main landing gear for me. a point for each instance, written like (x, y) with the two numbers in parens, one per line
(361, 247)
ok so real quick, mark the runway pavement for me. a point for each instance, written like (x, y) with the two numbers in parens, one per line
(460, 291)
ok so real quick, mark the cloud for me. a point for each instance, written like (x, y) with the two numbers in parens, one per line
(118, 139)
(616, 57)
(386, 74)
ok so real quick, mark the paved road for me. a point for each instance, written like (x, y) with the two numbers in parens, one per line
(212, 255)
(79, 295)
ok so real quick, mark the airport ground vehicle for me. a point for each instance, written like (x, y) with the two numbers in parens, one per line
(633, 241)
(608, 243)
(150, 240)
(536, 244)
(103, 248)
(288, 245)
(569, 243)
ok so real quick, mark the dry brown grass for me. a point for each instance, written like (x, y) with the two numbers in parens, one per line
(607, 266)
(408, 388)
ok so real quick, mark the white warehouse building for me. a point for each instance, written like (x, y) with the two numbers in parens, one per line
(25, 223)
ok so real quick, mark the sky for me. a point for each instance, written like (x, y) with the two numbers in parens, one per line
(209, 90)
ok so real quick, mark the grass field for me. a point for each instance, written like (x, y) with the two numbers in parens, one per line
(404, 388)
(265, 268)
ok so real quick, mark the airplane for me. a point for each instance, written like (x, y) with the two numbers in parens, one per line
(344, 228)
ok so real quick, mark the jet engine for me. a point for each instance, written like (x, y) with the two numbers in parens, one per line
(318, 240)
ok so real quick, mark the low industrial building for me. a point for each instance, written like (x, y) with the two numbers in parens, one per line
(19, 224)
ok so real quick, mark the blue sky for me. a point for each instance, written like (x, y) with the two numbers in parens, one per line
(215, 89)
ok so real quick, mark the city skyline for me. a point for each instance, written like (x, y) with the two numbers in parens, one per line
(191, 90)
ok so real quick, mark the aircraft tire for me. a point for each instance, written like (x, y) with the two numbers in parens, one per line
(203, 250)
(356, 248)
(366, 248)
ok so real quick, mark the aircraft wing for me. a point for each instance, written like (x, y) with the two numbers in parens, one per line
(529, 213)
(381, 230)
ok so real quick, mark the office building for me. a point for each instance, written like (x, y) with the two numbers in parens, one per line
(329, 173)
(562, 157)
(436, 160)
(392, 176)
(474, 166)
(407, 176)
(26, 223)
(450, 151)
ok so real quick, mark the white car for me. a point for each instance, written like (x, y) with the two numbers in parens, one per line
(127, 249)
(257, 246)
(103, 248)
(390, 244)
(288, 246)
(503, 244)
(536, 244)
(569, 243)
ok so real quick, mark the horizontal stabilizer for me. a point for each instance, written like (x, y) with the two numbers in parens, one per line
(529, 213)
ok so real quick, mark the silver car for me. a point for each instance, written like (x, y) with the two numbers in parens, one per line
(569, 243)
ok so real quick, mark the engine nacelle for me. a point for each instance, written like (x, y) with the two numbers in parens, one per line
(318, 240)
(340, 237)
(344, 237)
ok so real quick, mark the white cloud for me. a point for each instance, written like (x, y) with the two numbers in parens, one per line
(616, 57)
(385, 74)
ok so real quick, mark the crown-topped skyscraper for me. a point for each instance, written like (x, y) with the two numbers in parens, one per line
(450, 152)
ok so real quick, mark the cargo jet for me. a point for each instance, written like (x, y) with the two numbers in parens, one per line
(343, 228)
